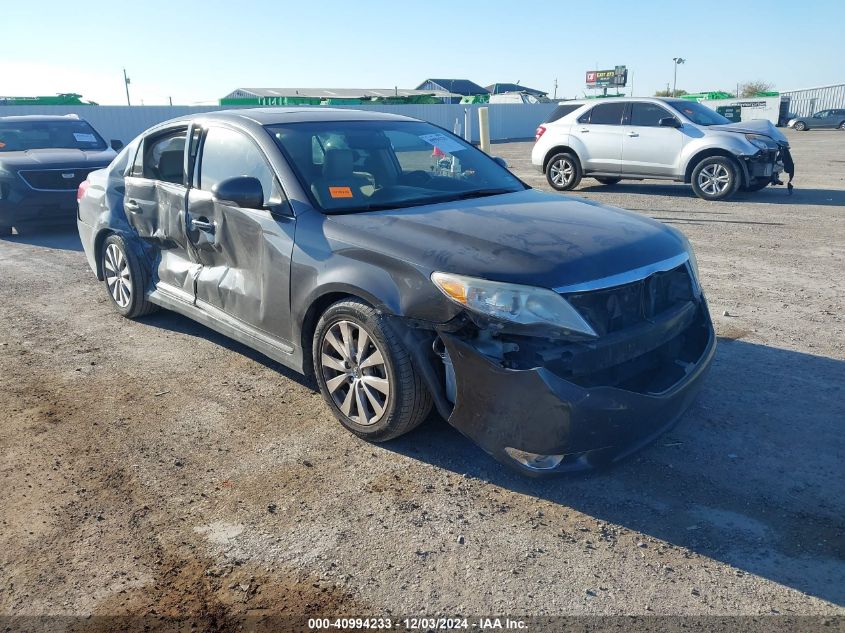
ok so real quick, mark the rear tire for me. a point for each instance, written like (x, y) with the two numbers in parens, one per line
(608, 181)
(715, 178)
(125, 278)
(563, 171)
(365, 374)
(800, 126)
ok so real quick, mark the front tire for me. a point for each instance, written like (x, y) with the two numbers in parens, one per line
(715, 178)
(125, 278)
(563, 171)
(800, 126)
(365, 374)
(842, 125)
(608, 181)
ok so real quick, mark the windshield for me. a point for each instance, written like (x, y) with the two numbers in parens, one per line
(17, 136)
(697, 113)
(367, 165)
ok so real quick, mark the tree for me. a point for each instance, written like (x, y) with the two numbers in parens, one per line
(668, 93)
(752, 88)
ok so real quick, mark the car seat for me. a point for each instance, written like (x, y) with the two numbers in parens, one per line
(339, 182)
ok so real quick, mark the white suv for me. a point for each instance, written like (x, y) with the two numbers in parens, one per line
(671, 139)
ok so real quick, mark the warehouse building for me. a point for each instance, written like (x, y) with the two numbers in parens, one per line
(458, 87)
(811, 100)
(333, 96)
(504, 88)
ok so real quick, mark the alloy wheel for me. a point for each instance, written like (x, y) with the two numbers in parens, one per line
(562, 171)
(354, 371)
(714, 179)
(118, 277)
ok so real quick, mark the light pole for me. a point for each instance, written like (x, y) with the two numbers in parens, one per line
(678, 61)
(126, 85)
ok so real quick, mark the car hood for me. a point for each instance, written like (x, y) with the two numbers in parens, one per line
(528, 237)
(57, 157)
(755, 126)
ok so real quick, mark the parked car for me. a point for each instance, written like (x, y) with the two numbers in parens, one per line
(402, 267)
(670, 139)
(42, 161)
(826, 119)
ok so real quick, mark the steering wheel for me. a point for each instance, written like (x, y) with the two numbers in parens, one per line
(415, 178)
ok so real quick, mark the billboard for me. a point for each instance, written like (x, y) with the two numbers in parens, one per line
(616, 77)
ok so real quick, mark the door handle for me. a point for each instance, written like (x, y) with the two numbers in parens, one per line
(132, 206)
(632, 134)
(584, 130)
(203, 224)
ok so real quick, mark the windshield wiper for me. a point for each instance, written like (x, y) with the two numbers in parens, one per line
(403, 204)
(480, 193)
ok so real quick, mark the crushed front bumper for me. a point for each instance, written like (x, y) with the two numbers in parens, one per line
(768, 165)
(538, 411)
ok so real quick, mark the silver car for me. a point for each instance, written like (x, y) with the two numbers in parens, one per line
(671, 139)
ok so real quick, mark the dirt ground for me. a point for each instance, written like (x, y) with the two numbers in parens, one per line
(156, 468)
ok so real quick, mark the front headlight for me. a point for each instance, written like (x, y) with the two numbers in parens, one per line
(763, 142)
(525, 305)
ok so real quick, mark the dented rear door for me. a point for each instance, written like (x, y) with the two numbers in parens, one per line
(155, 205)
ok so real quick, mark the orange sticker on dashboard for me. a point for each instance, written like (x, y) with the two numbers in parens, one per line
(340, 192)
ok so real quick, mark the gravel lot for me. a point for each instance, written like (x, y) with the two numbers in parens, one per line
(154, 467)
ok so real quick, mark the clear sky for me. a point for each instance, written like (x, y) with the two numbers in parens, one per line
(197, 51)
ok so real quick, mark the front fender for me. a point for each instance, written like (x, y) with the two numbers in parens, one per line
(322, 265)
(734, 144)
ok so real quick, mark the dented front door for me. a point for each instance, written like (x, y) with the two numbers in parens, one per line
(245, 253)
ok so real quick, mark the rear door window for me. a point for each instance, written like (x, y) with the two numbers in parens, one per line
(607, 114)
(164, 157)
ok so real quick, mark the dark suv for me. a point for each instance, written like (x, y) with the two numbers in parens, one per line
(43, 159)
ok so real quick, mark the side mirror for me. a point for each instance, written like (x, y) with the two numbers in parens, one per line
(669, 121)
(116, 145)
(242, 191)
(501, 161)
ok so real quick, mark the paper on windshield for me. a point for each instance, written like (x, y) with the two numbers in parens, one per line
(84, 137)
(442, 142)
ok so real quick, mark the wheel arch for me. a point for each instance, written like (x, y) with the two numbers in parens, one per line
(99, 240)
(318, 305)
(558, 149)
(709, 153)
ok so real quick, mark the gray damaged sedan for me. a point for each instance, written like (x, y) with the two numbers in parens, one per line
(406, 269)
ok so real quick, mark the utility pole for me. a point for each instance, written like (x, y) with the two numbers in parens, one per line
(555, 97)
(678, 61)
(126, 85)
(170, 99)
